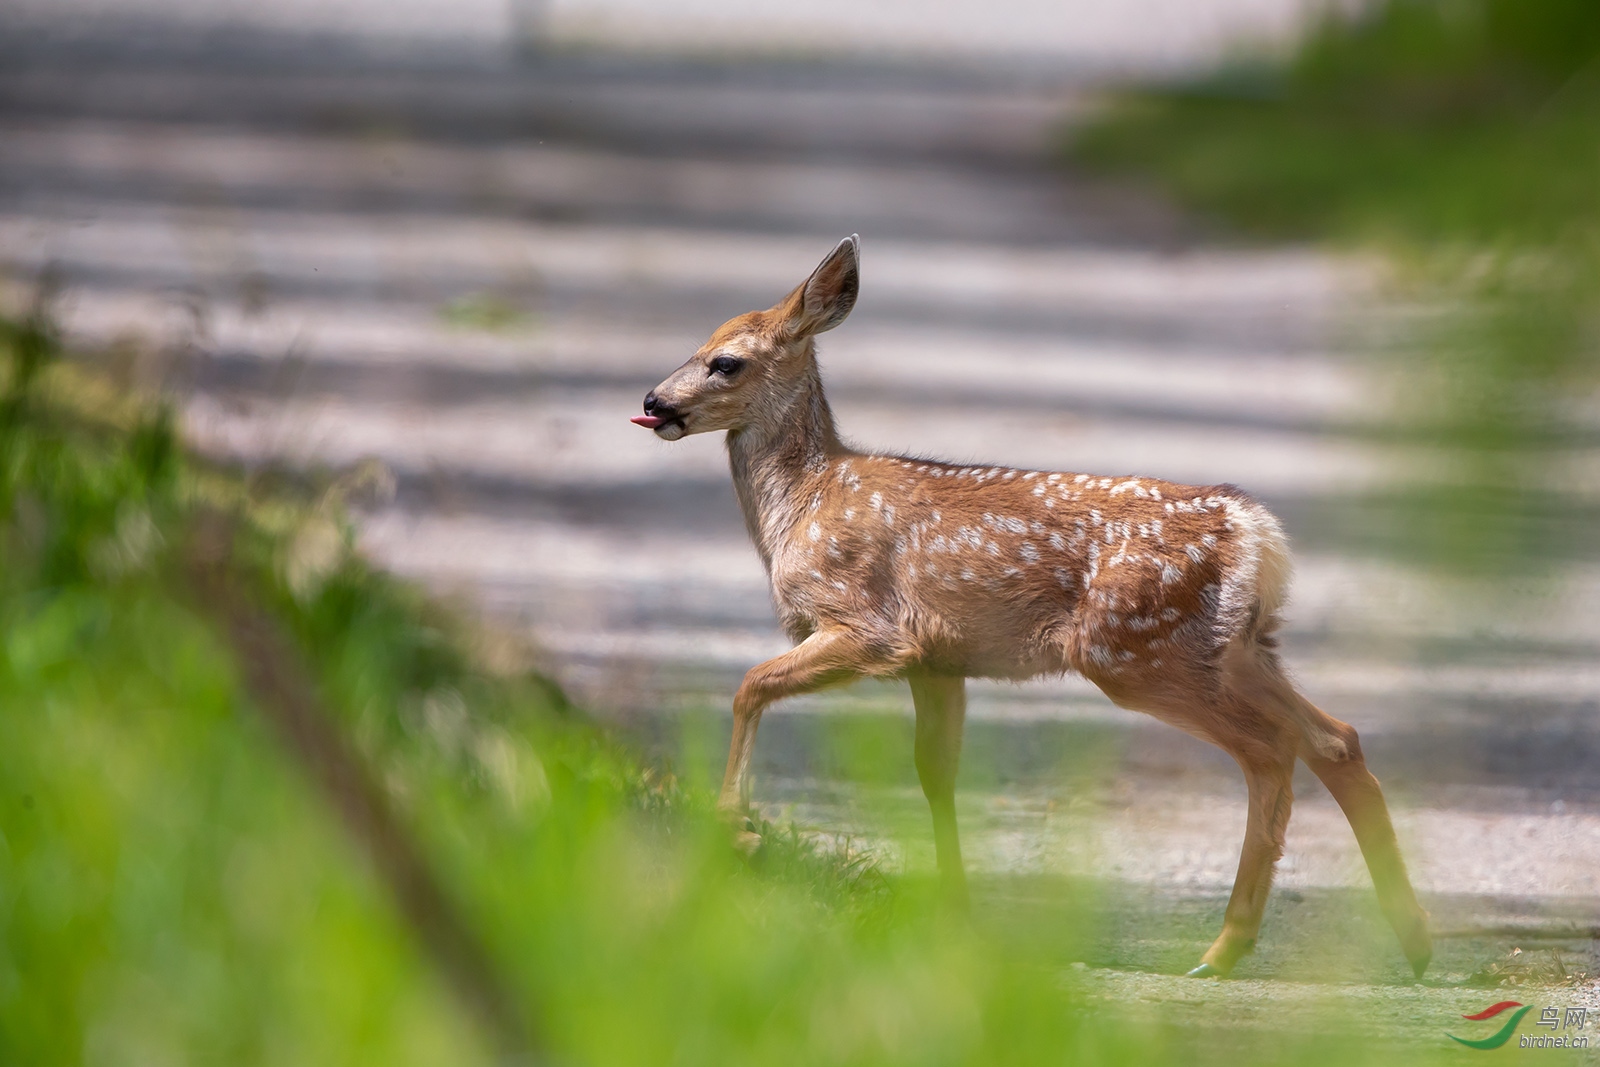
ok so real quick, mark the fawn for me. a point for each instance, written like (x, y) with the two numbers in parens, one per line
(1165, 596)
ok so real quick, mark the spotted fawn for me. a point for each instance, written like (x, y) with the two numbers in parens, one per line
(1165, 596)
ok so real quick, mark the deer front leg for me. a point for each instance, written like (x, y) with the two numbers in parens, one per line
(941, 703)
(827, 657)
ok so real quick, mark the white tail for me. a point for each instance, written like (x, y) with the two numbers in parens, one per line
(1166, 596)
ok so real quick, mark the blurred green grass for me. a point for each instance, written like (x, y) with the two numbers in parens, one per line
(1419, 121)
(180, 883)
(1460, 139)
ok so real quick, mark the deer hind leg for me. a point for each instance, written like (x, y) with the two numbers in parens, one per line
(1333, 752)
(827, 657)
(941, 702)
(1268, 776)
(1343, 770)
(1232, 713)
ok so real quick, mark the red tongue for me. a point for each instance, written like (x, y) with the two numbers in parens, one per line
(649, 422)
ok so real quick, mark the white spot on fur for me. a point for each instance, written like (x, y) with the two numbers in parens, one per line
(1170, 573)
(1028, 552)
(814, 531)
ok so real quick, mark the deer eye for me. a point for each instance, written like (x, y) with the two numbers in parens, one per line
(727, 366)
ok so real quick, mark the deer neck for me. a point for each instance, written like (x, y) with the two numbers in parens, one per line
(777, 462)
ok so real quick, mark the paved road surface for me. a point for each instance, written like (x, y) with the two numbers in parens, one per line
(1147, 36)
(474, 272)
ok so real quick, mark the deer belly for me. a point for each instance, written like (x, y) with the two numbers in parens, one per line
(990, 630)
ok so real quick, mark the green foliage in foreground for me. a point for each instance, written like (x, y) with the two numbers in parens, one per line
(177, 886)
(1458, 137)
(1422, 121)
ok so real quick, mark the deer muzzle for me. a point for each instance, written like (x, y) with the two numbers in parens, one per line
(666, 420)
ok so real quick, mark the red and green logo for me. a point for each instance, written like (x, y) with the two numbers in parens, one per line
(1500, 1036)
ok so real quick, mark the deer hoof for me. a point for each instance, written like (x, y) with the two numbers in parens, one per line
(1418, 945)
(1205, 970)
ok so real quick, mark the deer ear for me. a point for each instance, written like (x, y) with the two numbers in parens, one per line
(826, 298)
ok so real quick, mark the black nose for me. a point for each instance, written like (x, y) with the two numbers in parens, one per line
(654, 406)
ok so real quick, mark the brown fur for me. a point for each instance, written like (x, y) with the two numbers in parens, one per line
(1166, 596)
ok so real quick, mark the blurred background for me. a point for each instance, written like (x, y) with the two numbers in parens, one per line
(1343, 256)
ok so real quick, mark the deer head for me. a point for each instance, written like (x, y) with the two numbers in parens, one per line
(755, 366)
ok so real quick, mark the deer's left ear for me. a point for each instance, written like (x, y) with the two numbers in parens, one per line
(825, 300)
